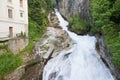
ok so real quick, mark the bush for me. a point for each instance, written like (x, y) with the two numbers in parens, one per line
(78, 25)
(4, 46)
(113, 40)
(9, 62)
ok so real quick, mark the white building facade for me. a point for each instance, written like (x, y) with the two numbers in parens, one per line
(13, 17)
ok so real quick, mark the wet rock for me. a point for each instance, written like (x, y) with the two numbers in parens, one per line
(53, 20)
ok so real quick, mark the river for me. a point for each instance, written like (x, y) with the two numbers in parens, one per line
(81, 62)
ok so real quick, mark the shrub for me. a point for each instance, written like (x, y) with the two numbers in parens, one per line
(78, 25)
(9, 62)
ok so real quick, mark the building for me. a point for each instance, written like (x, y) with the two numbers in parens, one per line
(13, 18)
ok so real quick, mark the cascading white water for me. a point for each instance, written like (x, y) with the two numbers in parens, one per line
(81, 62)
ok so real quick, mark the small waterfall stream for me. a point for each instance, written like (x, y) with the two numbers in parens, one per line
(81, 62)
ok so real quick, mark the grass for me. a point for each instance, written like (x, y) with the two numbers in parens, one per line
(9, 62)
(28, 48)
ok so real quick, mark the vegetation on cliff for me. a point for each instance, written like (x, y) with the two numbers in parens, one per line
(9, 62)
(78, 25)
(106, 15)
(38, 21)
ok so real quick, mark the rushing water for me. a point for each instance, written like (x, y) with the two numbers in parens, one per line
(81, 62)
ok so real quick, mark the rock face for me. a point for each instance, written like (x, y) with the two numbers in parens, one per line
(51, 44)
(53, 21)
(105, 56)
(68, 8)
(54, 40)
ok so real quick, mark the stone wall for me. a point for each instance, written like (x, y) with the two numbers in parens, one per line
(17, 44)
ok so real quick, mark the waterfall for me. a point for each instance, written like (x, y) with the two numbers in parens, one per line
(81, 62)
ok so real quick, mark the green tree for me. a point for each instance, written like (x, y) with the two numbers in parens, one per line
(106, 15)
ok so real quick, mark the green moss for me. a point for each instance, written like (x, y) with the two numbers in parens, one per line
(9, 62)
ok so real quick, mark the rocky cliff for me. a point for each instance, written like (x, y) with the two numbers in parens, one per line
(105, 55)
(51, 44)
(68, 8)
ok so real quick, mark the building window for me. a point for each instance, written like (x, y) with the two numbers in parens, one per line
(21, 3)
(10, 13)
(21, 14)
(10, 1)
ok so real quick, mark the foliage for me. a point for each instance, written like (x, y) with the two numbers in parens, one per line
(35, 30)
(106, 15)
(23, 34)
(38, 12)
(78, 25)
(9, 62)
(4, 46)
(50, 4)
